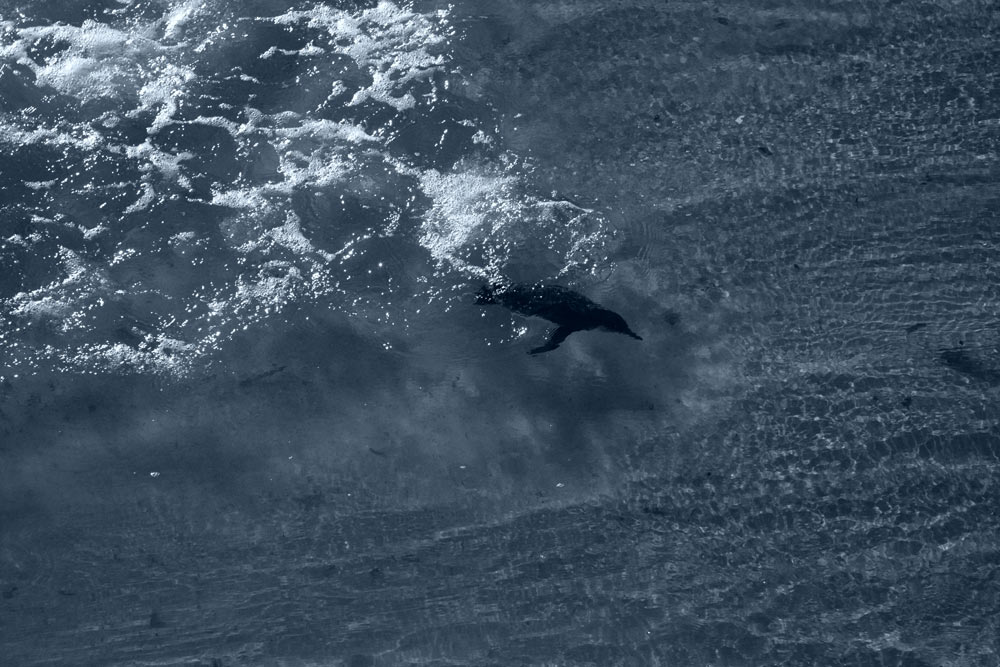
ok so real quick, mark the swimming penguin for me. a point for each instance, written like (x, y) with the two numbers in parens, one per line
(570, 310)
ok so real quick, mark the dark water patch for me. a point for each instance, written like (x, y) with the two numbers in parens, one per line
(443, 135)
(972, 363)
(214, 154)
(129, 130)
(962, 178)
(19, 92)
(34, 264)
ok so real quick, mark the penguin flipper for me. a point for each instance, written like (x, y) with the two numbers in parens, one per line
(558, 336)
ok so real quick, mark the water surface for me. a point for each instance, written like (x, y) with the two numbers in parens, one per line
(250, 415)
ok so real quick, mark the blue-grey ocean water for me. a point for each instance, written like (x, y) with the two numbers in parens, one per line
(250, 413)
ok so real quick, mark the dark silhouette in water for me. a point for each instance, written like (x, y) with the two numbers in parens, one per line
(570, 310)
(966, 361)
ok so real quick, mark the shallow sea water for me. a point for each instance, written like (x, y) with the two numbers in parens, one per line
(250, 414)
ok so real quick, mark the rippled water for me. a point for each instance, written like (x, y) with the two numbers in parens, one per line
(250, 414)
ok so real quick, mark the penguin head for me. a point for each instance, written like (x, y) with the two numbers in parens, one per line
(612, 321)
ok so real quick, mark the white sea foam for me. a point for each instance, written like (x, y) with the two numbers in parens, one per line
(163, 91)
(394, 45)
(157, 163)
(289, 235)
(176, 19)
(326, 131)
(277, 284)
(83, 138)
(143, 75)
(59, 299)
(467, 207)
(99, 61)
(40, 307)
